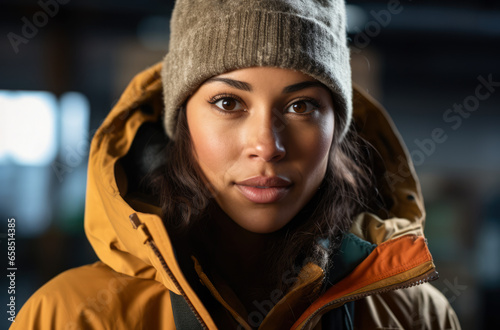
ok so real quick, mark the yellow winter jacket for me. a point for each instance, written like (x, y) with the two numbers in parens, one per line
(137, 283)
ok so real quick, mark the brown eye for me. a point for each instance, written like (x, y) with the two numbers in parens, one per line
(302, 107)
(299, 107)
(228, 104)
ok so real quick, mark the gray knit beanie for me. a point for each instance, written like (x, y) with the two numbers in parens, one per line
(211, 37)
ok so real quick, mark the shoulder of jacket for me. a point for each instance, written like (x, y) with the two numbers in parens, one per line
(90, 296)
(418, 307)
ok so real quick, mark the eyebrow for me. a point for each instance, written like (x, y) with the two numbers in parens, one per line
(300, 86)
(248, 88)
(233, 83)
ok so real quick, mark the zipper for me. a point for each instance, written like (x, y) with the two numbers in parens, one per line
(426, 277)
(137, 224)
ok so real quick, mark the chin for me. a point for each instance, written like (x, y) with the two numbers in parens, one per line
(261, 224)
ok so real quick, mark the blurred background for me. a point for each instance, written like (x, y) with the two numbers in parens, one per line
(63, 66)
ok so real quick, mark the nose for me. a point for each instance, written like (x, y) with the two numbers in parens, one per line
(265, 137)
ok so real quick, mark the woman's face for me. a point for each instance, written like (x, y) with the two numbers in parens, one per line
(262, 138)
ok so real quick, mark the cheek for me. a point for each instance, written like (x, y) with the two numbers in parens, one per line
(313, 148)
(212, 147)
(325, 135)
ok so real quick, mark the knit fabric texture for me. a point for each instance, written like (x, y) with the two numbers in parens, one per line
(211, 37)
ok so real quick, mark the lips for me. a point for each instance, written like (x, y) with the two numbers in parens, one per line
(263, 190)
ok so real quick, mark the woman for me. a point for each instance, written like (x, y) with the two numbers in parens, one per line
(278, 198)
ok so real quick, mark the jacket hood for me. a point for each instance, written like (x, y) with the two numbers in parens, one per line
(397, 184)
(132, 130)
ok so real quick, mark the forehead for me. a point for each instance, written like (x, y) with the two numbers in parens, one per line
(277, 74)
(256, 79)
